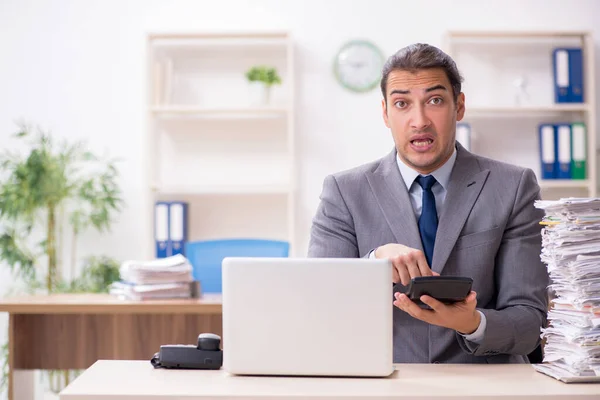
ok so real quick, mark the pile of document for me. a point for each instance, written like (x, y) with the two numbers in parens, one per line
(571, 251)
(163, 278)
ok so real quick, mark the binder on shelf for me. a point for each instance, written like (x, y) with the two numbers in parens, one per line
(170, 228)
(463, 135)
(568, 75)
(578, 150)
(576, 77)
(178, 226)
(161, 229)
(564, 151)
(548, 151)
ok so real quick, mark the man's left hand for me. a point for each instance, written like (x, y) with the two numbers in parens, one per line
(460, 316)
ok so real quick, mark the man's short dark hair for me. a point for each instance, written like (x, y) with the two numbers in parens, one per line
(420, 56)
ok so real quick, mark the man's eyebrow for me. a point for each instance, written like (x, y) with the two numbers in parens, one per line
(431, 89)
(398, 91)
(436, 87)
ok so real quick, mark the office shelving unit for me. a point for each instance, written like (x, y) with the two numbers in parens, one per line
(231, 159)
(504, 119)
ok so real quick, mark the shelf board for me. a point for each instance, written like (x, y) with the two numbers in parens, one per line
(222, 189)
(219, 113)
(564, 183)
(224, 35)
(511, 110)
(183, 45)
(517, 34)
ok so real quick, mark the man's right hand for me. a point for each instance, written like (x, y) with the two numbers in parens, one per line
(407, 262)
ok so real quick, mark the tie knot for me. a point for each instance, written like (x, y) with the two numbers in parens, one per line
(426, 182)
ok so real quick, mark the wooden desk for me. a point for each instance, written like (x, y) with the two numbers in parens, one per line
(137, 380)
(74, 331)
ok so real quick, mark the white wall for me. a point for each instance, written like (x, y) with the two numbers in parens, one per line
(78, 69)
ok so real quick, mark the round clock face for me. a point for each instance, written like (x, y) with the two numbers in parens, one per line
(358, 64)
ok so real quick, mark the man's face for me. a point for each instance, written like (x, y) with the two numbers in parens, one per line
(421, 113)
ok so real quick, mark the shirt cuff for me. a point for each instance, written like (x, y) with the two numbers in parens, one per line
(477, 336)
(372, 254)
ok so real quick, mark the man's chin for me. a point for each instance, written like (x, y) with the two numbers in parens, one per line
(424, 163)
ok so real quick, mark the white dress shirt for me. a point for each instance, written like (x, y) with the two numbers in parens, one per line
(439, 189)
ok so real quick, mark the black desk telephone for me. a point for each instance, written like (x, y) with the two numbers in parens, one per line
(207, 354)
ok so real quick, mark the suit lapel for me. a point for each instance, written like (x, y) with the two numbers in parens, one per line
(466, 181)
(393, 199)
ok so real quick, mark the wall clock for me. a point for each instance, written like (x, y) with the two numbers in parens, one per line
(357, 65)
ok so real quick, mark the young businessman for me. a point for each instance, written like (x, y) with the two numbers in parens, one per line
(433, 208)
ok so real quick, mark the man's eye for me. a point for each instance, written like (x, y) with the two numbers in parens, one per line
(400, 104)
(436, 101)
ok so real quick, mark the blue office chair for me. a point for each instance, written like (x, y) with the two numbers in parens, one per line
(206, 257)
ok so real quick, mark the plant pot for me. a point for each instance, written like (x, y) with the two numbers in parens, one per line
(258, 93)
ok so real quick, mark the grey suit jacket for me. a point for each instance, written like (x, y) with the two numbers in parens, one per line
(489, 230)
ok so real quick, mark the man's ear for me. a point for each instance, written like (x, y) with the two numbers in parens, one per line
(460, 107)
(384, 110)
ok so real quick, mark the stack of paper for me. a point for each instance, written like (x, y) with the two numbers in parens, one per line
(571, 251)
(163, 278)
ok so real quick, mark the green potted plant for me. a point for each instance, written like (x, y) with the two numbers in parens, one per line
(43, 190)
(51, 185)
(261, 79)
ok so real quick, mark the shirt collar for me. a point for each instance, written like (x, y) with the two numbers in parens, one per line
(442, 174)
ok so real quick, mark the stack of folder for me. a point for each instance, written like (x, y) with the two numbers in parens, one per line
(563, 150)
(563, 146)
(571, 251)
(170, 228)
(164, 278)
(568, 73)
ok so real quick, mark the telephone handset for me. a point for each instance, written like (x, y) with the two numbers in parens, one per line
(206, 354)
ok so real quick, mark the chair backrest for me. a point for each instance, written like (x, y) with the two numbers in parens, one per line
(206, 257)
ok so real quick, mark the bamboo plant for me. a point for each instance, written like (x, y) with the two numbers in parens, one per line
(51, 183)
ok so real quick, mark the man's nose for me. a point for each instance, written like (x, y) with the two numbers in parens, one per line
(419, 120)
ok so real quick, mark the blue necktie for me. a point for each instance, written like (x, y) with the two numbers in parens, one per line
(428, 221)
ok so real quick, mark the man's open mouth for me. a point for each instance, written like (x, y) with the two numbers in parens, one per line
(421, 142)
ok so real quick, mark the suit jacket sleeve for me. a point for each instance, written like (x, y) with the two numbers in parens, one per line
(332, 231)
(513, 327)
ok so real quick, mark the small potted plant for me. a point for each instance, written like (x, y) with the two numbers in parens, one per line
(261, 79)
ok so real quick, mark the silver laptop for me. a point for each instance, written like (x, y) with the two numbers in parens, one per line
(307, 316)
